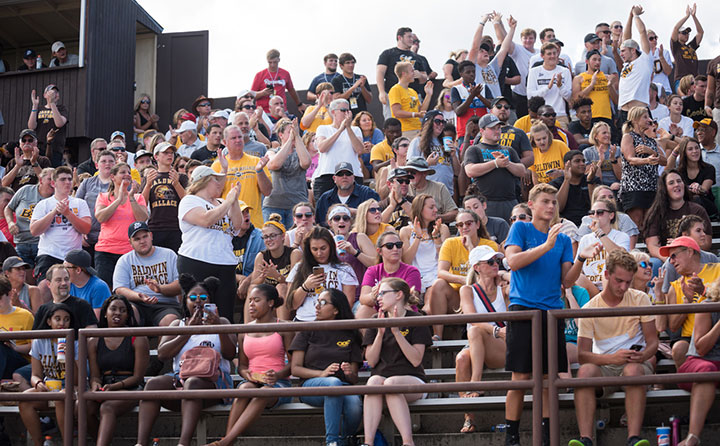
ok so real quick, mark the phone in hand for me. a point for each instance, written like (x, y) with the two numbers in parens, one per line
(210, 308)
(318, 270)
(636, 347)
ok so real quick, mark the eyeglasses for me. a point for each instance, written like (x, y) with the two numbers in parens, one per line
(249, 107)
(673, 256)
(204, 104)
(652, 37)
(270, 236)
(522, 217)
(28, 140)
(549, 115)
(344, 173)
(460, 224)
(416, 41)
(322, 303)
(337, 218)
(145, 101)
(391, 245)
(384, 292)
(194, 297)
(644, 264)
(402, 180)
(306, 215)
(502, 106)
(374, 210)
(343, 110)
(439, 121)
(598, 212)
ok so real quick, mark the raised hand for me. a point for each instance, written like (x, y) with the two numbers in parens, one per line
(512, 23)
(429, 87)
(35, 99)
(552, 235)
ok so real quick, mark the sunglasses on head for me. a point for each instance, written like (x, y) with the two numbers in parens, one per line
(549, 115)
(194, 297)
(598, 212)
(391, 245)
(28, 139)
(301, 215)
(519, 217)
(374, 210)
(460, 224)
(344, 173)
(402, 180)
(337, 218)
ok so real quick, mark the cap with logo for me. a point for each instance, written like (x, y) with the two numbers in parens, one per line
(488, 120)
(399, 172)
(14, 262)
(591, 37)
(142, 152)
(29, 132)
(136, 227)
(343, 166)
(117, 133)
(707, 122)
(29, 54)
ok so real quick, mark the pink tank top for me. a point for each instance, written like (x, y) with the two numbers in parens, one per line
(265, 353)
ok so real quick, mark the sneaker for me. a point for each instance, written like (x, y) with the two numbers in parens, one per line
(47, 426)
(512, 440)
(583, 441)
(637, 441)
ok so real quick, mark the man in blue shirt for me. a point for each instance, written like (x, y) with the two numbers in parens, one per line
(330, 73)
(84, 282)
(346, 191)
(541, 259)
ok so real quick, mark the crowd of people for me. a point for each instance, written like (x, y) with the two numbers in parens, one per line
(526, 185)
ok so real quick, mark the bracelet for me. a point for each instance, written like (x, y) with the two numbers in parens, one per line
(413, 114)
(305, 289)
(496, 166)
(600, 234)
(357, 253)
(582, 259)
(36, 384)
(34, 110)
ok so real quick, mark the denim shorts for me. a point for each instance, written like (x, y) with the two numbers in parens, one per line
(279, 384)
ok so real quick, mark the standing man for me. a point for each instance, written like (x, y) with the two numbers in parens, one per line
(163, 189)
(248, 170)
(60, 221)
(415, 48)
(274, 81)
(251, 146)
(617, 346)
(386, 77)
(706, 132)
(487, 70)
(84, 282)
(607, 64)
(552, 82)
(89, 165)
(405, 101)
(686, 61)
(52, 117)
(541, 259)
(637, 70)
(494, 168)
(512, 136)
(330, 73)
(213, 138)
(521, 54)
(694, 105)
(595, 85)
(468, 98)
(350, 86)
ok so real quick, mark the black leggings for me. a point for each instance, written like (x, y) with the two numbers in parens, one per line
(227, 293)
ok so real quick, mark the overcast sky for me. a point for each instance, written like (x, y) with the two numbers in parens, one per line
(241, 32)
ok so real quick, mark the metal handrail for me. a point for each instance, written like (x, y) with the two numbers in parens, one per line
(534, 384)
(68, 394)
(554, 383)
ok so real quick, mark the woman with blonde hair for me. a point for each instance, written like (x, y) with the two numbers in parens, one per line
(624, 223)
(154, 141)
(450, 69)
(368, 221)
(548, 154)
(605, 154)
(640, 160)
(444, 104)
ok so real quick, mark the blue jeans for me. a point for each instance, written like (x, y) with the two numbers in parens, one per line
(27, 252)
(286, 214)
(345, 410)
(10, 360)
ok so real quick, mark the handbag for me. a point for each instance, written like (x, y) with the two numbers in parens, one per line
(200, 362)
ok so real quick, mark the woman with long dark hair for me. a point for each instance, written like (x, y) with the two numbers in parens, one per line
(697, 175)
(330, 358)
(429, 145)
(320, 269)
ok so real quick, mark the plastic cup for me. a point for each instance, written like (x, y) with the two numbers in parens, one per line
(663, 435)
(53, 385)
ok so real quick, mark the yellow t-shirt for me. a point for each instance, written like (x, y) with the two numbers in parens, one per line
(243, 171)
(384, 227)
(709, 273)
(20, 319)
(409, 101)
(381, 152)
(600, 95)
(453, 250)
(322, 118)
(525, 123)
(610, 334)
(552, 159)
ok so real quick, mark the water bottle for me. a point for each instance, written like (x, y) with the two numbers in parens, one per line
(38, 62)
(502, 427)
(600, 424)
(675, 423)
(48, 441)
(61, 349)
(156, 442)
(339, 238)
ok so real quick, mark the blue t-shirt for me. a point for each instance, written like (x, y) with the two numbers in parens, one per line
(571, 329)
(538, 284)
(94, 292)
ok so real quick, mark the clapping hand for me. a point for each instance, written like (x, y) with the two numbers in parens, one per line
(35, 100)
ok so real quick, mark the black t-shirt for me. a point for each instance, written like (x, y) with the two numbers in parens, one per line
(26, 174)
(392, 360)
(668, 228)
(390, 57)
(576, 128)
(323, 348)
(508, 69)
(515, 138)
(82, 313)
(45, 123)
(164, 202)
(455, 73)
(203, 154)
(693, 109)
(577, 204)
(87, 166)
(398, 218)
(341, 84)
(497, 228)
(498, 184)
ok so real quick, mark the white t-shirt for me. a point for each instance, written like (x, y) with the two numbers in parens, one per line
(635, 79)
(686, 124)
(594, 268)
(335, 277)
(660, 112)
(131, 271)
(45, 351)
(521, 56)
(658, 75)
(210, 245)
(537, 57)
(537, 85)
(61, 237)
(341, 151)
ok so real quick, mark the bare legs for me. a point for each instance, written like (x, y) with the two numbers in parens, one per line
(443, 299)
(243, 413)
(31, 419)
(397, 406)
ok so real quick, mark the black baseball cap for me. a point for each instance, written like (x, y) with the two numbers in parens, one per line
(27, 132)
(29, 54)
(591, 37)
(430, 115)
(137, 227)
(14, 262)
(81, 258)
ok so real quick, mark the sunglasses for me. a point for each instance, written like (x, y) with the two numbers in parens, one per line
(145, 101)
(374, 210)
(28, 140)
(460, 224)
(322, 303)
(685, 32)
(549, 115)
(204, 104)
(306, 215)
(617, 27)
(644, 264)
(391, 245)
(502, 106)
(598, 212)
(270, 236)
(652, 38)
(605, 32)
(344, 173)
(402, 180)
(337, 218)
(492, 262)
(522, 217)
(118, 149)
(439, 121)
(249, 107)
(343, 110)
(673, 256)
(447, 96)
(194, 297)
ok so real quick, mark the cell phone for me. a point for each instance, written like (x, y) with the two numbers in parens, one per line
(636, 347)
(318, 270)
(210, 308)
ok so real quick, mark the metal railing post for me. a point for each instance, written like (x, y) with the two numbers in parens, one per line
(82, 379)
(537, 360)
(553, 403)
(69, 388)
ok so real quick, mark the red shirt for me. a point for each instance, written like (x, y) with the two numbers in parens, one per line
(6, 231)
(280, 81)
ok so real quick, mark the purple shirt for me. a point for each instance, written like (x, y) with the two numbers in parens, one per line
(408, 273)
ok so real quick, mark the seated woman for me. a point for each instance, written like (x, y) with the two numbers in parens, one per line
(389, 249)
(196, 297)
(483, 293)
(318, 114)
(395, 356)
(320, 269)
(368, 221)
(328, 358)
(262, 363)
(23, 295)
(371, 135)
(444, 296)
(304, 220)
(48, 373)
(624, 222)
(13, 353)
(604, 153)
(697, 175)
(116, 364)
(703, 356)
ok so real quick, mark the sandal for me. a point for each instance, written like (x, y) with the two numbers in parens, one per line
(436, 338)
(473, 394)
(690, 438)
(468, 426)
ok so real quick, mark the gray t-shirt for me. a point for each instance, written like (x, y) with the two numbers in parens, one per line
(671, 275)
(89, 191)
(23, 203)
(255, 148)
(714, 353)
(443, 169)
(497, 228)
(131, 271)
(289, 185)
(625, 224)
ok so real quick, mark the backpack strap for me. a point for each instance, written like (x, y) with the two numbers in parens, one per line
(486, 302)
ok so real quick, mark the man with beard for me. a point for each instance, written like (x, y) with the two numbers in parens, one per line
(345, 191)
(330, 73)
